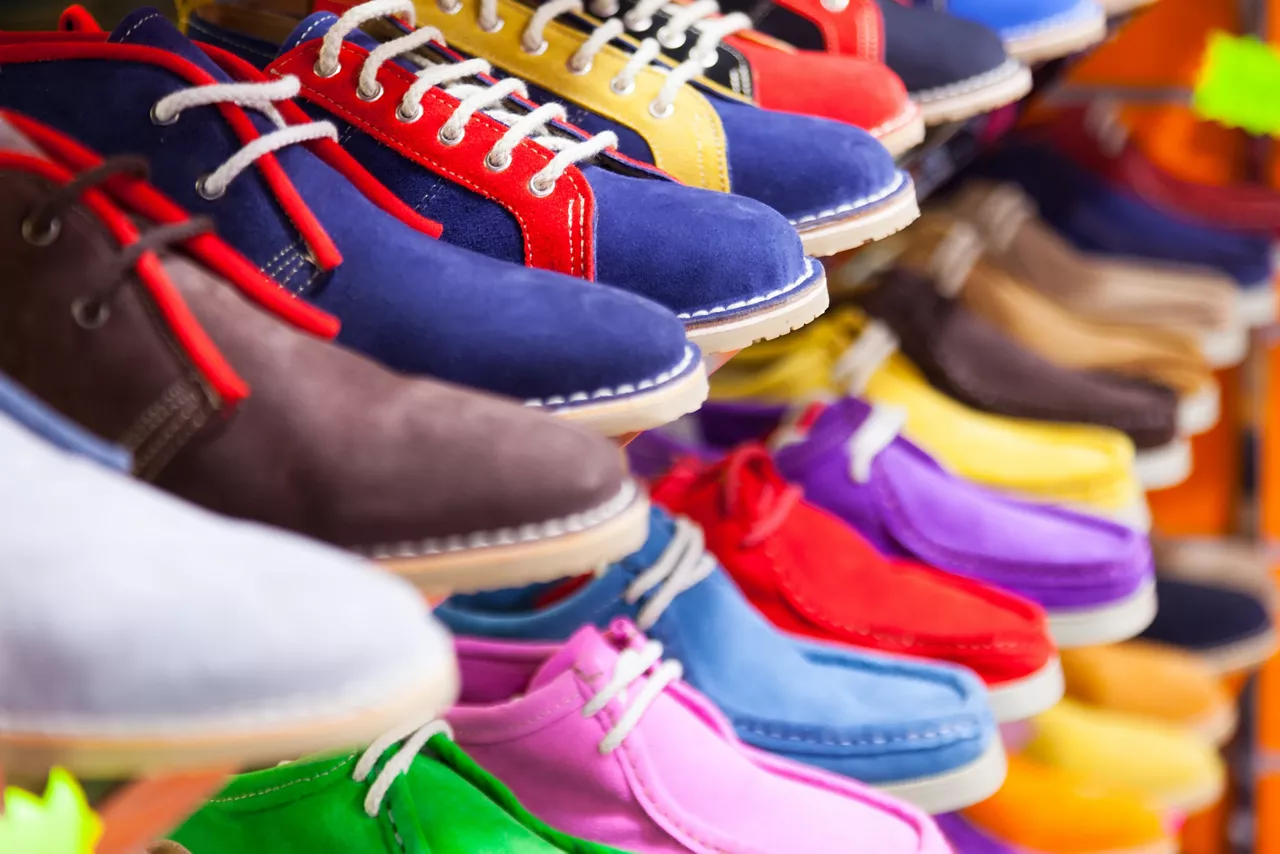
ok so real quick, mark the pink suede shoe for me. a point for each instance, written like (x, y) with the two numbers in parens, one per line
(599, 737)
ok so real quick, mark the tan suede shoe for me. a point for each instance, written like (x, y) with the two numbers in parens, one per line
(1196, 300)
(953, 254)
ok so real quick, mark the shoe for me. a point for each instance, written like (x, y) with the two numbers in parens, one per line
(1228, 629)
(303, 212)
(861, 715)
(814, 576)
(24, 409)
(1094, 578)
(120, 661)
(1034, 30)
(1233, 562)
(1154, 681)
(1089, 468)
(950, 252)
(419, 792)
(731, 269)
(1097, 219)
(1170, 767)
(966, 838)
(974, 363)
(601, 726)
(839, 189)
(1041, 808)
(178, 349)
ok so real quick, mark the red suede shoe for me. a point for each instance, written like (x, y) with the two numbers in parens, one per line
(861, 92)
(812, 575)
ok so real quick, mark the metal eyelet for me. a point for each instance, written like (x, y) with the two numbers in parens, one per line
(41, 238)
(664, 113)
(626, 89)
(90, 313)
(449, 8)
(541, 193)
(579, 71)
(639, 26)
(498, 24)
(539, 51)
(669, 41)
(202, 187)
(450, 138)
(409, 118)
(319, 71)
(369, 97)
(156, 120)
(497, 165)
(711, 60)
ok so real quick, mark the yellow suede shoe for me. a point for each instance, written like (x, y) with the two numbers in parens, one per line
(1142, 678)
(1165, 763)
(1087, 467)
(1049, 810)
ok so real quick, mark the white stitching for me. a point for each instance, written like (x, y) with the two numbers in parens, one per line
(129, 32)
(1007, 69)
(899, 179)
(625, 388)
(532, 532)
(734, 306)
(901, 120)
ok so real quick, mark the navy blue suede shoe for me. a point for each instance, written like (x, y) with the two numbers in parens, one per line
(920, 730)
(1230, 629)
(1098, 217)
(833, 182)
(1034, 30)
(505, 179)
(291, 200)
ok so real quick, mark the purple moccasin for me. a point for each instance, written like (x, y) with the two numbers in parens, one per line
(1094, 578)
(967, 839)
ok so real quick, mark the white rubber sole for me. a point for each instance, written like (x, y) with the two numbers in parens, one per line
(1115, 8)
(661, 404)
(1165, 466)
(1102, 624)
(982, 93)
(743, 330)
(963, 787)
(901, 133)
(1070, 33)
(1257, 305)
(1199, 411)
(1244, 655)
(1217, 728)
(1224, 348)
(866, 221)
(1192, 801)
(1029, 696)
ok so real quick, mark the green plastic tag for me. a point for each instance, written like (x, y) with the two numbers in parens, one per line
(59, 823)
(1239, 84)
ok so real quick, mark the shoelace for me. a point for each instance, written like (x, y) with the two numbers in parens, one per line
(773, 505)
(703, 16)
(683, 564)
(44, 224)
(532, 41)
(632, 665)
(414, 739)
(954, 257)
(859, 362)
(874, 435)
(260, 97)
(1005, 210)
(458, 80)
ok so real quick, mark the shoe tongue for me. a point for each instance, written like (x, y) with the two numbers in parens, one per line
(588, 650)
(317, 26)
(149, 28)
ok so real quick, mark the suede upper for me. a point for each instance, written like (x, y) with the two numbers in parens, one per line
(727, 250)
(1204, 618)
(416, 304)
(874, 719)
(930, 49)
(1100, 218)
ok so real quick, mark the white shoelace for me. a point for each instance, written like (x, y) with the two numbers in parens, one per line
(414, 738)
(873, 435)
(683, 563)
(251, 96)
(632, 665)
(663, 105)
(954, 257)
(860, 361)
(703, 16)
(457, 80)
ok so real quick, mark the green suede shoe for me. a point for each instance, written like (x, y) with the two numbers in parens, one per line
(393, 801)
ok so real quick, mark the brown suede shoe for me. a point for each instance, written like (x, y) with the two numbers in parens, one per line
(226, 394)
(975, 363)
